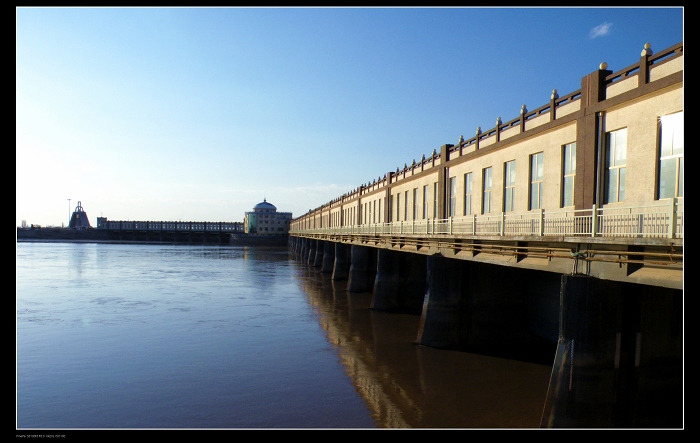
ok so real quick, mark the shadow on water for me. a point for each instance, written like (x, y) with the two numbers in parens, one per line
(410, 386)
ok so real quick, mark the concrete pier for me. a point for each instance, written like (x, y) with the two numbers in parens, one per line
(362, 269)
(618, 362)
(341, 265)
(400, 282)
(412, 284)
(440, 321)
(386, 283)
(312, 252)
(318, 258)
(328, 257)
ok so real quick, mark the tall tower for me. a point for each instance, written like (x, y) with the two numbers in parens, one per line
(79, 220)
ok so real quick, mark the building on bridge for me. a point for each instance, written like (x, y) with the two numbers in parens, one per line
(604, 161)
(265, 220)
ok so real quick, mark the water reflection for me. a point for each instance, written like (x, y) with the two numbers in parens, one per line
(411, 386)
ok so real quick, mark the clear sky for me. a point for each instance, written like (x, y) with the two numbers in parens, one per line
(197, 114)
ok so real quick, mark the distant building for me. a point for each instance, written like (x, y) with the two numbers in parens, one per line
(265, 220)
(79, 220)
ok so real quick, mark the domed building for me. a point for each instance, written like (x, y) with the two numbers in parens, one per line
(265, 220)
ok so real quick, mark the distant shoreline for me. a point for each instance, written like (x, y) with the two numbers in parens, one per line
(65, 235)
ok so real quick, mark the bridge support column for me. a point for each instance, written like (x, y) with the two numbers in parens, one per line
(619, 356)
(412, 284)
(328, 257)
(341, 266)
(495, 311)
(304, 249)
(312, 251)
(361, 275)
(440, 320)
(386, 284)
(298, 246)
(318, 259)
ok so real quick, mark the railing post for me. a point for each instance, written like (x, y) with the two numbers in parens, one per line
(594, 221)
(644, 65)
(413, 226)
(503, 224)
(427, 225)
(541, 222)
(473, 224)
(450, 222)
(553, 105)
(673, 219)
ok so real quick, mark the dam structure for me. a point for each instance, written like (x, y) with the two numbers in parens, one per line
(561, 226)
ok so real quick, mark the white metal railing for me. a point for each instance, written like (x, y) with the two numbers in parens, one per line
(663, 219)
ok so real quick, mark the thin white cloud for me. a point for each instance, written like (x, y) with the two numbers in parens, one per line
(599, 30)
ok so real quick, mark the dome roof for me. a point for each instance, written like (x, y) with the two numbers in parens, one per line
(264, 205)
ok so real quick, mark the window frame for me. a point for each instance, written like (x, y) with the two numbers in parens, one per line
(674, 155)
(487, 189)
(468, 190)
(536, 180)
(509, 186)
(568, 174)
(615, 148)
(452, 196)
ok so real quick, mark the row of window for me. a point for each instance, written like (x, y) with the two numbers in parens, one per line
(670, 180)
(670, 175)
(536, 174)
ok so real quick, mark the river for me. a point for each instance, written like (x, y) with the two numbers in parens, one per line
(148, 336)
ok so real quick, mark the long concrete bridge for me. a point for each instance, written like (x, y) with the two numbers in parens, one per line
(561, 226)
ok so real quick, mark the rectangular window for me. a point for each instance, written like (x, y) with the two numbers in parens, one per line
(435, 200)
(425, 202)
(615, 165)
(671, 156)
(374, 211)
(487, 181)
(536, 180)
(509, 186)
(405, 206)
(453, 196)
(398, 207)
(467, 193)
(569, 174)
(415, 203)
(390, 207)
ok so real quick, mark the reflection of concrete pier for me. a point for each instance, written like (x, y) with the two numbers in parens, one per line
(409, 386)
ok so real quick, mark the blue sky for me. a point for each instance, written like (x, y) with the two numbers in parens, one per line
(197, 114)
